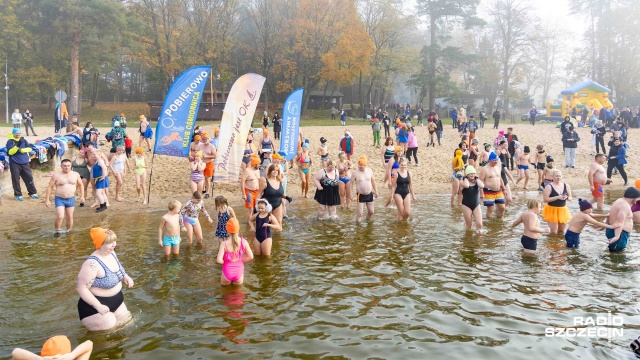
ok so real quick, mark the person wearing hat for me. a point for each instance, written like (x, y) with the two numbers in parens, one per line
(547, 174)
(304, 163)
(343, 117)
(101, 304)
(56, 347)
(570, 141)
(366, 189)
(18, 150)
(471, 187)
(483, 156)
(580, 220)
(251, 185)
(216, 137)
(499, 138)
(494, 187)
(145, 133)
(233, 252)
(208, 156)
(597, 179)
(347, 144)
(116, 136)
(620, 214)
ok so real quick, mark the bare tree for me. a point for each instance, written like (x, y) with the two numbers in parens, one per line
(512, 24)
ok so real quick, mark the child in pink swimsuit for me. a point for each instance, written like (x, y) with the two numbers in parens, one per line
(233, 253)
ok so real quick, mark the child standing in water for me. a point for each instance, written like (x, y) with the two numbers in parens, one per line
(265, 221)
(531, 224)
(225, 212)
(189, 217)
(580, 220)
(233, 253)
(170, 225)
(547, 174)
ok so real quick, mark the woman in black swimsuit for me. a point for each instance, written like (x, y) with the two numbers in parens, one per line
(272, 190)
(327, 193)
(401, 188)
(471, 186)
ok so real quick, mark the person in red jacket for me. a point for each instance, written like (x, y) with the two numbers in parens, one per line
(347, 144)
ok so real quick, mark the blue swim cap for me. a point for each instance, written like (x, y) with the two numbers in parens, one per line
(493, 156)
(15, 130)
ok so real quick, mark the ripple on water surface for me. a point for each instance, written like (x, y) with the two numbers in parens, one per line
(331, 289)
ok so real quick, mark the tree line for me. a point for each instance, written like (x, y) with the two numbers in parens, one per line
(109, 50)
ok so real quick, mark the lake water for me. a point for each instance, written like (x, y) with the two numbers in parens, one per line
(331, 290)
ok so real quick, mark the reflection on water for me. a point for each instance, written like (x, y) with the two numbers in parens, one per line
(336, 289)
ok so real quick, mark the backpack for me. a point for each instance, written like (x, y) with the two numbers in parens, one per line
(117, 135)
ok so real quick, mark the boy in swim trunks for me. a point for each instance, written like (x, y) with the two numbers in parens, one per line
(580, 220)
(532, 229)
(170, 223)
(523, 167)
(540, 163)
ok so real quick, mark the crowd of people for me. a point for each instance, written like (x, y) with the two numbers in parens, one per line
(481, 176)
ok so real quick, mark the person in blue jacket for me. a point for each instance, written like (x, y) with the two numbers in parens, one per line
(454, 117)
(18, 150)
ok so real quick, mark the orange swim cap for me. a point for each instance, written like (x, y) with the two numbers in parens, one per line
(197, 137)
(216, 131)
(363, 160)
(277, 156)
(255, 160)
(56, 345)
(638, 183)
(233, 226)
(139, 151)
(204, 135)
(98, 235)
(398, 149)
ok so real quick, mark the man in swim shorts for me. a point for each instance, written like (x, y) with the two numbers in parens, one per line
(621, 215)
(250, 186)
(365, 188)
(208, 156)
(66, 183)
(493, 189)
(597, 179)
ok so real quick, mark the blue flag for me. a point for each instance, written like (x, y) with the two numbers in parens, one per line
(180, 111)
(291, 124)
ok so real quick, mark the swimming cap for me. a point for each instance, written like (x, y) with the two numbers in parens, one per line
(216, 131)
(474, 141)
(277, 156)
(197, 137)
(255, 160)
(141, 117)
(139, 151)
(116, 123)
(584, 204)
(323, 140)
(305, 145)
(204, 135)
(486, 145)
(16, 130)
(501, 132)
(638, 183)
(233, 226)
(398, 149)
(470, 170)
(549, 159)
(199, 154)
(56, 345)
(98, 235)
(632, 193)
(363, 160)
(493, 156)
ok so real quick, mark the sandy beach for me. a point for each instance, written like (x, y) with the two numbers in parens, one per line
(432, 176)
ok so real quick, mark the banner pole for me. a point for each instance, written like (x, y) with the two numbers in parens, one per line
(150, 176)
